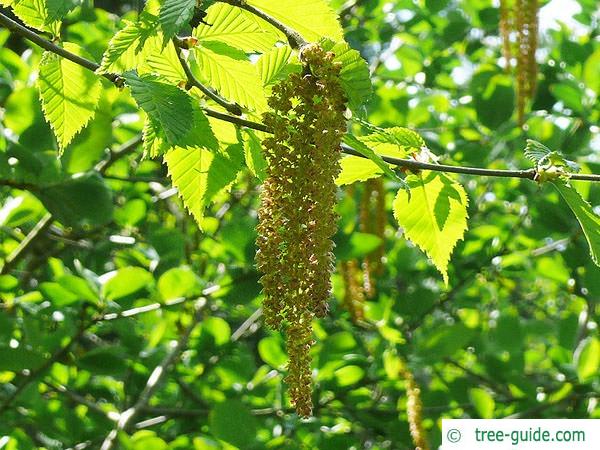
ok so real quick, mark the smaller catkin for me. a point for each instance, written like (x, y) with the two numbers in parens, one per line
(296, 216)
(354, 295)
(414, 410)
(506, 27)
(373, 221)
(526, 27)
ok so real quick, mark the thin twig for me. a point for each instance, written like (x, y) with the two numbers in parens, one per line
(16, 27)
(79, 399)
(24, 245)
(192, 81)
(248, 323)
(115, 155)
(126, 420)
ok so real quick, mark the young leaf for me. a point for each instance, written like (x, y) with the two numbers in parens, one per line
(354, 77)
(313, 19)
(199, 136)
(589, 221)
(396, 142)
(69, 94)
(360, 147)
(237, 28)
(35, 13)
(199, 174)
(273, 65)
(167, 106)
(166, 63)
(228, 70)
(58, 9)
(253, 154)
(174, 14)
(434, 216)
(130, 47)
(355, 168)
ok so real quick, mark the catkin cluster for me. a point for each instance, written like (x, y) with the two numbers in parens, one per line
(296, 217)
(521, 18)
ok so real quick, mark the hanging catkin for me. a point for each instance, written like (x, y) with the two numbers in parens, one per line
(354, 294)
(296, 217)
(521, 17)
(414, 410)
(373, 221)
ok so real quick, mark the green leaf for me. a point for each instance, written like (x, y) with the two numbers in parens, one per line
(271, 351)
(589, 221)
(166, 63)
(36, 14)
(199, 136)
(218, 329)
(232, 422)
(177, 282)
(446, 340)
(168, 107)
(483, 402)
(58, 295)
(355, 245)
(590, 72)
(273, 65)
(69, 94)
(199, 174)
(229, 71)
(354, 76)
(360, 147)
(313, 19)
(125, 282)
(17, 359)
(356, 169)
(69, 200)
(434, 216)
(253, 155)
(349, 375)
(493, 96)
(587, 358)
(235, 27)
(174, 14)
(396, 142)
(130, 47)
(58, 9)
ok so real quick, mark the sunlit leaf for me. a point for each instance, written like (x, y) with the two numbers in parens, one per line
(433, 216)
(69, 94)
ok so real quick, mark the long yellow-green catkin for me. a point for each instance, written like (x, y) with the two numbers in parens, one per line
(296, 217)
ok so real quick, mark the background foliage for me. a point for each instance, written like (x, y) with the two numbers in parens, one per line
(112, 280)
